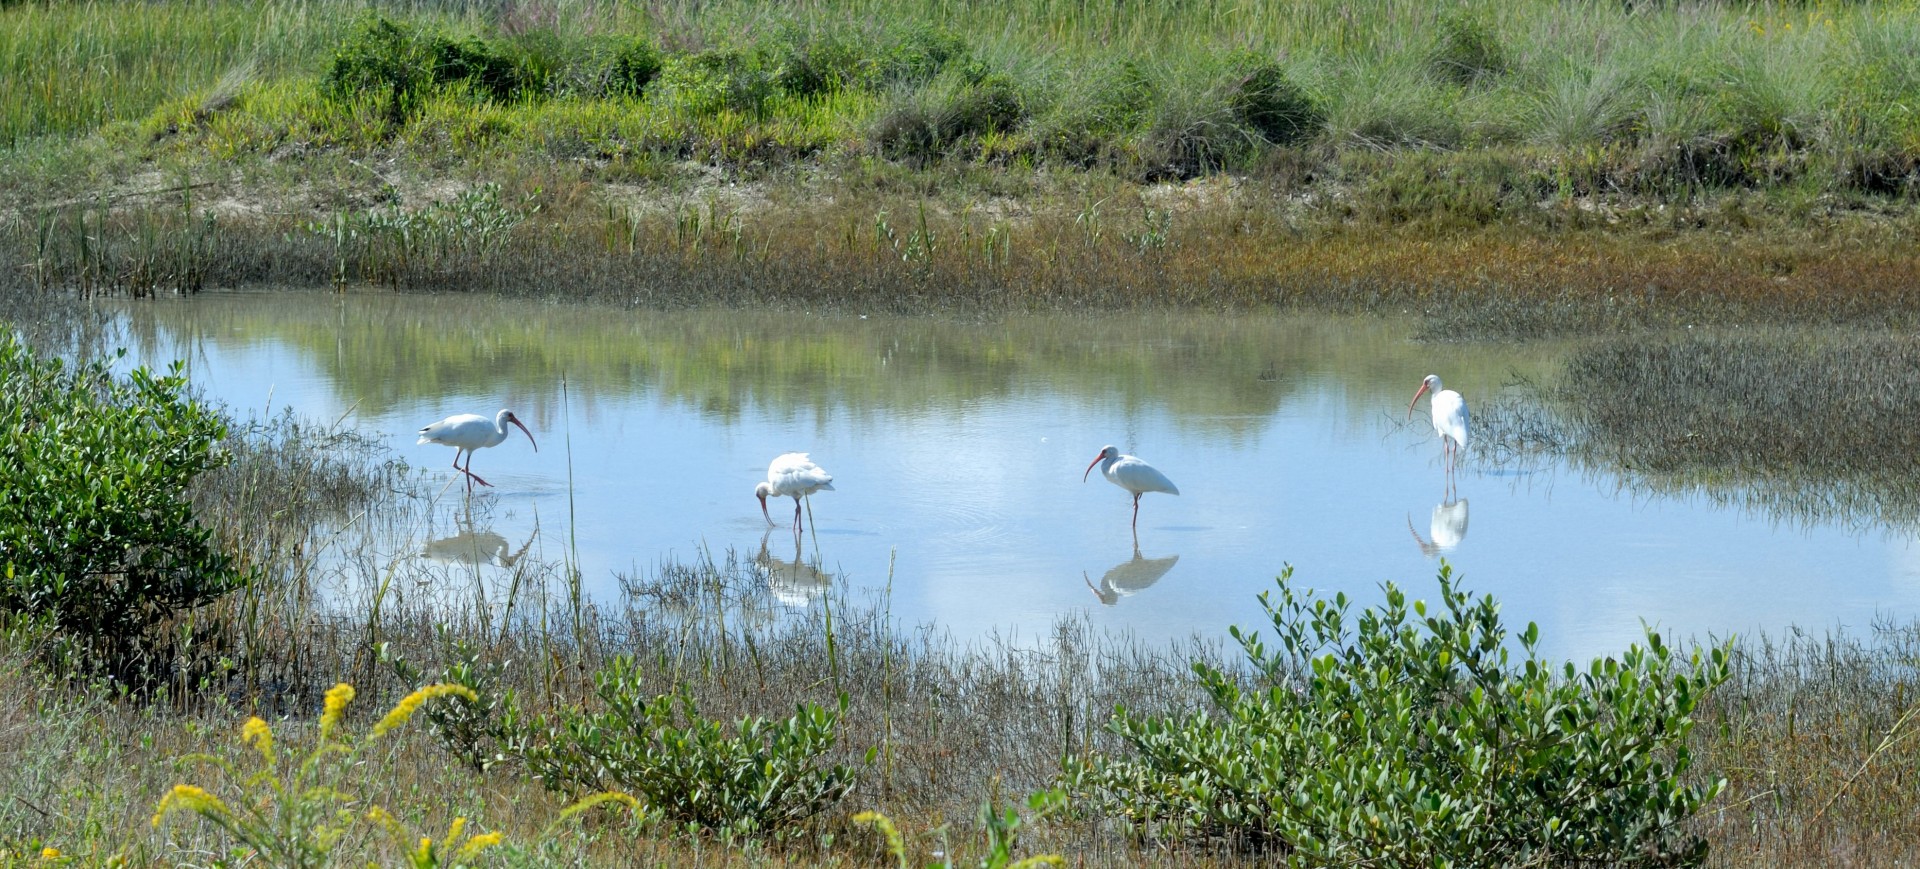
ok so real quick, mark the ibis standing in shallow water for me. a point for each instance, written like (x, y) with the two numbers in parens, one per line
(1449, 416)
(467, 432)
(1131, 474)
(792, 475)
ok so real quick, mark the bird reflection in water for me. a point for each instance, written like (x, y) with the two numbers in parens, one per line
(794, 582)
(477, 547)
(1130, 576)
(1448, 528)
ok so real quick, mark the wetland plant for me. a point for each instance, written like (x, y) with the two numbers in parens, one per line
(1409, 736)
(762, 778)
(292, 812)
(97, 530)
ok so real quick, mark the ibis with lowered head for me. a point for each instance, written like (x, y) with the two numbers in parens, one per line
(792, 475)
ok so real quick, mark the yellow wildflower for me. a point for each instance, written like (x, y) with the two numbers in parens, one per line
(453, 832)
(386, 821)
(49, 853)
(260, 735)
(477, 844)
(189, 799)
(337, 699)
(588, 802)
(406, 708)
(896, 844)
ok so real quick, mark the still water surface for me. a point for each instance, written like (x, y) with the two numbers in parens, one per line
(957, 450)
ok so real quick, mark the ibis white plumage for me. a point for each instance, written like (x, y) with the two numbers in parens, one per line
(1450, 418)
(467, 432)
(792, 475)
(1131, 474)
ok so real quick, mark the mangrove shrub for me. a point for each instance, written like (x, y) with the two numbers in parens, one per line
(97, 532)
(1407, 736)
(759, 777)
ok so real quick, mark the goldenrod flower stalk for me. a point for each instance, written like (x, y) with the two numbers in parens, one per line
(408, 706)
(477, 844)
(386, 821)
(896, 844)
(187, 798)
(49, 853)
(588, 802)
(257, 733)
(337, 699)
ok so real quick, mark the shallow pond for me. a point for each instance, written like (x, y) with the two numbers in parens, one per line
(957, 450)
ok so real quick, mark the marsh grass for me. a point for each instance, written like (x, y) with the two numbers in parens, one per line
(1669, 101)
(1795, 424)
(875, 247)
(1815, 734)
(1511, 172)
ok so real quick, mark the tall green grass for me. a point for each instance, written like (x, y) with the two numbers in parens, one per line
(71, 67)
(1650, 98)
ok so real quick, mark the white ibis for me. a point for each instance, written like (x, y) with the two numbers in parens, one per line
(1131, 474)
(467, 432)
(1450, 417)
(792, 475)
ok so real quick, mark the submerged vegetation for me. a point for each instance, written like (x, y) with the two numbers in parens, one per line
(1793, 424)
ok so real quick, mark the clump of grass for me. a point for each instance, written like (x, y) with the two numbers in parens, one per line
(1794, 424)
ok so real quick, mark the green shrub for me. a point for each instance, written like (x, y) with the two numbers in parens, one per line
(1405, 738)
(763, 778)
(809, 62)
(1270, 104)
(480, 730)
(491, 71)
(1096, 113)
(635, 65)
(709, 82)
(918, 54)
(924, 124)
(97, 532)
(384, 60)
(402, 65)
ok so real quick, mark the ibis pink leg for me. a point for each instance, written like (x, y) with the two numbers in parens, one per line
(1136, 512)
(468, 470)
(464, 471)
